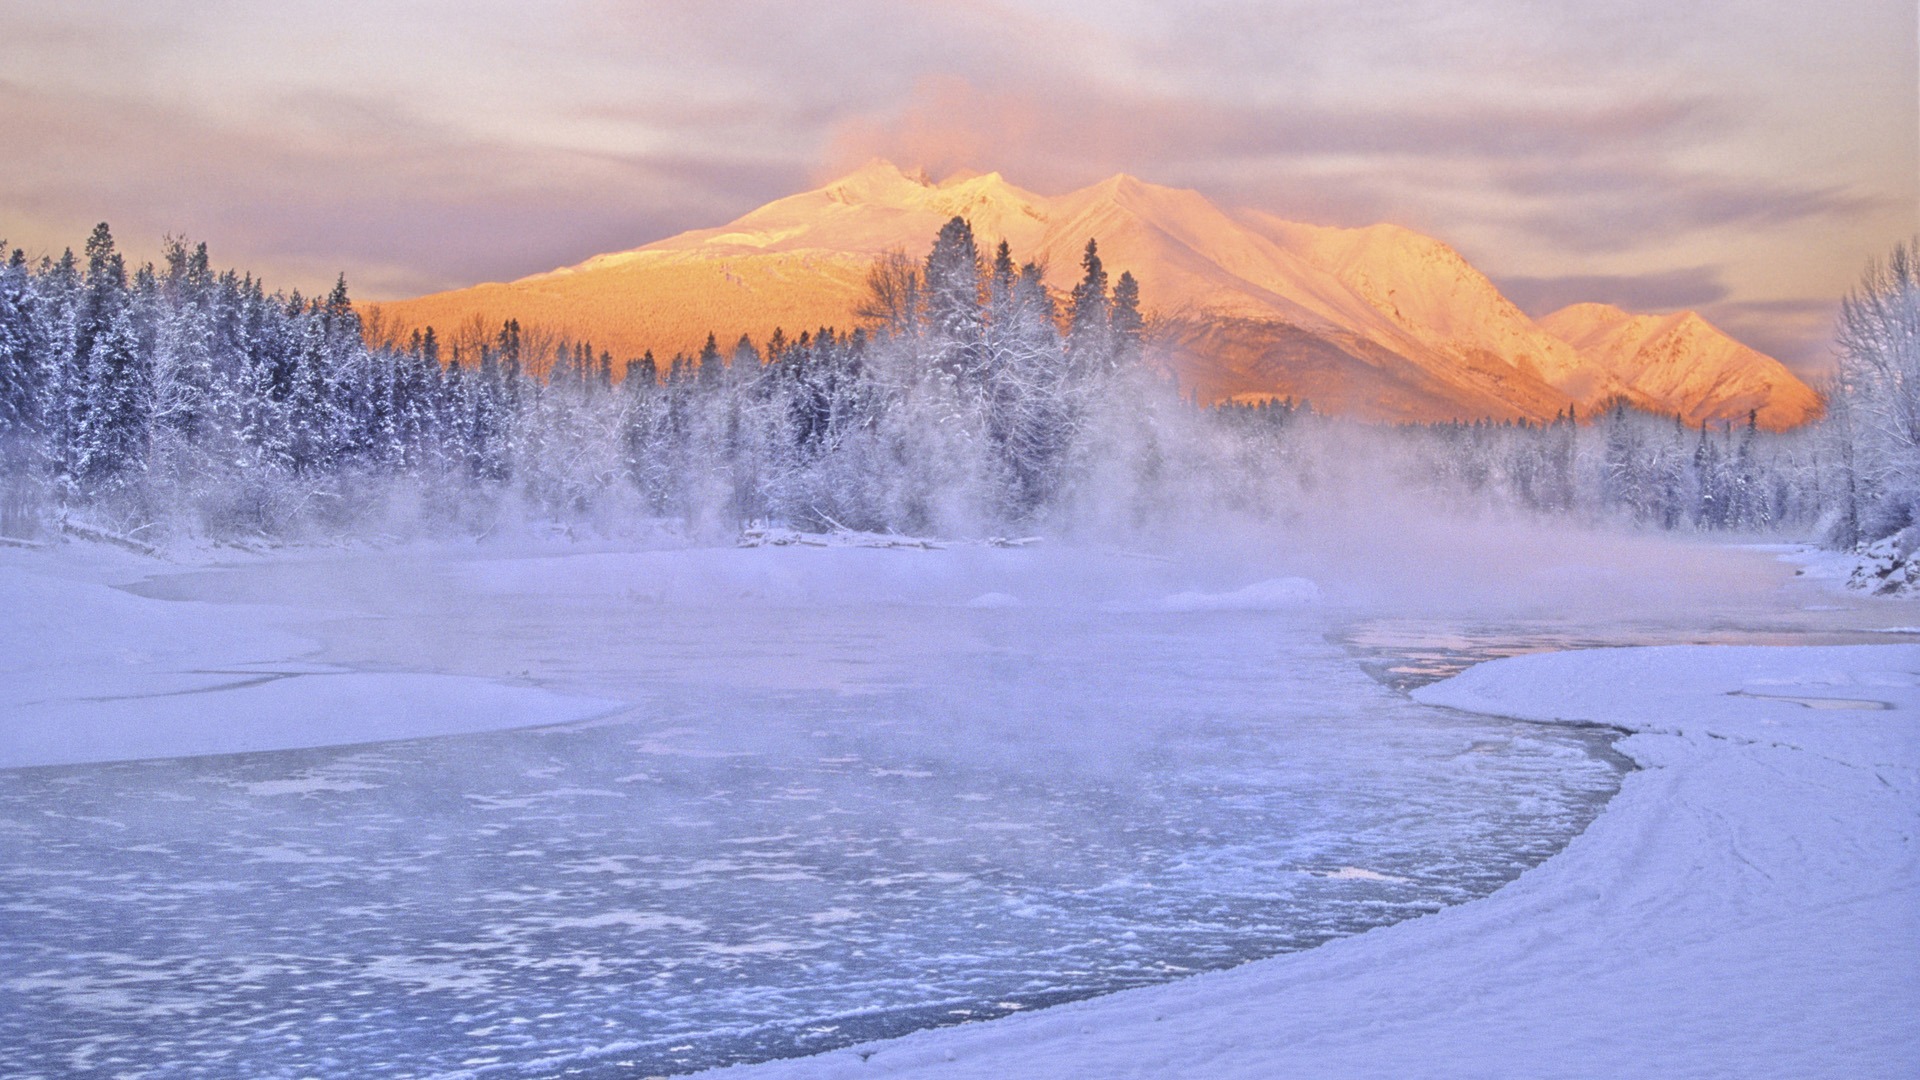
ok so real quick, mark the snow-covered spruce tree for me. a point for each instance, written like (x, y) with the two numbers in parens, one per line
(1089, 330)
(952, 287)
(1134, 456)
(838, 475)
(27, 401)
(1031, 415)
(1875, 401)
(185, 417)
(20, 389)
(644, 433)
(110, 421)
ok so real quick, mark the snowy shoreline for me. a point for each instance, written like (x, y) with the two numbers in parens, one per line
(1747, 905)
(93, 673)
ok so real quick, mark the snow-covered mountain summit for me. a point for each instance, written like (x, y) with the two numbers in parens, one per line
(1380, 322)
(1685, 363)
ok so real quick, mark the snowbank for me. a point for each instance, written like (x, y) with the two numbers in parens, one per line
(1748, 905)
(1886, 567)
(93, 673)
(1890, 566)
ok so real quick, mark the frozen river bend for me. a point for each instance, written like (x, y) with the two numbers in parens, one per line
(1748, 906)
(778, 802)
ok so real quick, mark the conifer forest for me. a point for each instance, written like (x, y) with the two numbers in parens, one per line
(175, 400)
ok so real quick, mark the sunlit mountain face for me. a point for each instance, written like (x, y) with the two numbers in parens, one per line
(1380, 323)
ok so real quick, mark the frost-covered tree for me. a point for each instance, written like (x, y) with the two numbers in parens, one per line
(955, 320)
(27, 397)
(22, 378)
(110, 421)
(1035, 408)
(1876, 398)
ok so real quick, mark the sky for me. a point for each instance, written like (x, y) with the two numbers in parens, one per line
(1745, 158)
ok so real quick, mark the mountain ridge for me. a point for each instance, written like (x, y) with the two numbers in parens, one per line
(1246, 304)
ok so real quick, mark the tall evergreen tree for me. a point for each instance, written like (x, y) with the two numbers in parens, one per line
(956, 324)
(21, 389)
(1089, 331)
(710, 367)
(1125, 320)
(110, 427)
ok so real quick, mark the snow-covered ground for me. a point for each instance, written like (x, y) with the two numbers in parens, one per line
(89, 672)
(1742, 907)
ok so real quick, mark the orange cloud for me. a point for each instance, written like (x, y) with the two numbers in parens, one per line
(946, 125)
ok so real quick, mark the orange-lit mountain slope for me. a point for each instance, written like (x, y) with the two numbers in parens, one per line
(1379, 322)
(1686, 364)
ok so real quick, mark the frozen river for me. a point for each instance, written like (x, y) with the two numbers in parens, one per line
(828, 815)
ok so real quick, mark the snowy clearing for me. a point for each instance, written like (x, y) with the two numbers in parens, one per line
(1748, 905)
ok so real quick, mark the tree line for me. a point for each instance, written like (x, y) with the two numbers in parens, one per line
(173, 397)
(970, 398)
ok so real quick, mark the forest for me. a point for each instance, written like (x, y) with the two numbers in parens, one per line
(172, 401)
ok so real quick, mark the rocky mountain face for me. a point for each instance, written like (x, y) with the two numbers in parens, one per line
(1379, 322)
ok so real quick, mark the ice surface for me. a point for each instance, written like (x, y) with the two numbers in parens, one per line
(845, 805)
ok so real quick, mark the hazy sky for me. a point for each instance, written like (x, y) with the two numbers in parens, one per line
(1744, 157)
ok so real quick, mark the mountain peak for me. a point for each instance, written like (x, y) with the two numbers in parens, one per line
(1589, 309)
(877, 180)
(1125, 186)
(969, 176)
(1579, 323)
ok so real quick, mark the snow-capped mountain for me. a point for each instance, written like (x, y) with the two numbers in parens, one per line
(1684, 363)
(1379, 322)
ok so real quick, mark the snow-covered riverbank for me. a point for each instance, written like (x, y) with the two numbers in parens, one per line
(1747, 906)
(89, 672)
